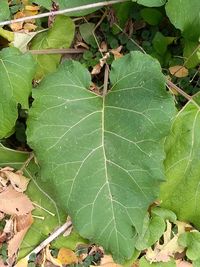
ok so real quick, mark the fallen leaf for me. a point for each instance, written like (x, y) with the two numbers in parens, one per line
(103, 47)
(181, 263)
(2, 264)
(67, 256)
(9, 226)
(14, 203)
(50, 258)
(30, 27)
(15, 242)
(17, 26)
(179, 71)
(107, 261)
(32, 8)
(116, 52)
(96, 69)
(18, 181)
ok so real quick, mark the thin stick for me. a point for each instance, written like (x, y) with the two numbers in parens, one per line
(179, 90)
(64, 11)
(106, 75)
(57, 51)
(53, 236)
(38, 206)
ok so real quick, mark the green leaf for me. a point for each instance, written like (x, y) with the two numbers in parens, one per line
(55, 216)
(180, 193)
(151, 15)
(191, 53)
(191, 241)
(184, 15)
(150, 3)
(16, 73)
(144, 263)
(161, 42)
(103, 158)
(153, 229)
(45, 3)
(60, 35)
(86, 31)
(4, 10)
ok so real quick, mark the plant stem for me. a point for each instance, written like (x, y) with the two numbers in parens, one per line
(177, 89)
(64, 11)
(57, 51)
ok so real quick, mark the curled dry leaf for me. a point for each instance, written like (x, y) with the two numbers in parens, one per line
(18, 181)
(14, 203)
(107, 261)
(103, 47)
(67, 256)
(15, 242)
(96, 69)
(179, 71)
(116, 52)
(181, 263)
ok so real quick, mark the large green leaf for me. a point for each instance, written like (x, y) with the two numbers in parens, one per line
(40, 229)
(181, 191)
(4, 10)
(191, 241)
(185, 15)
(16, 73)
(102, 158)
(60, 35)
(191, 53)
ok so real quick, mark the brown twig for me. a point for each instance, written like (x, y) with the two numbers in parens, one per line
(106, 76)
(179, 90)
(57, 51)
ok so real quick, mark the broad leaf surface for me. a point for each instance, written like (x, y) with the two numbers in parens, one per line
(16, 73)
(180, 193)
(185, 15)
(191, 241)
(60, 35)
(40, 229)
(103, 158)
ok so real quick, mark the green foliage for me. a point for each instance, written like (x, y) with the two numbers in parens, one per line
(191, 241)
(181, 191)
(4, 10)
(161, 42)
(151, 15)
(60, 35)
(16, 73)
(85, 139)
(191, 53)
(86, 31)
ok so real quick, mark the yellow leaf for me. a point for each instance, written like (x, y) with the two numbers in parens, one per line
(179, 71)
(22, 263)
(67, 256)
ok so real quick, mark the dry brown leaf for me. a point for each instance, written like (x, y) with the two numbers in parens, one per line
(18, 181)
(180, 263)
(103, 60)
(103, 47)
(32, 8)
(96, 69)
(179, 71)
(107, 261)
(67, 256)
(14, 203)
(30, 27)
(15, 242)
(116, 52)
(17, 26)
(2, 263)
(9, 226)
(81, 45)
(50, 258)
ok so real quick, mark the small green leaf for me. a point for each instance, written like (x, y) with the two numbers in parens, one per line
(16, 73)
(151, 15)
(45, 3)
(86, 31)
(191, 241)
(161, 42)
(184, 15)
(180, 193)
(102, 158)
(60, 35)
(4, 10)
(150, 3)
